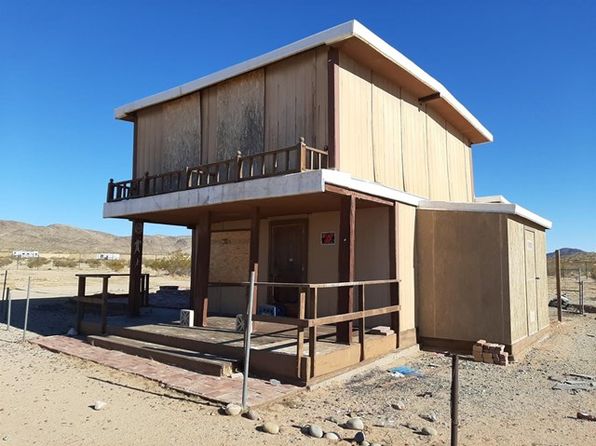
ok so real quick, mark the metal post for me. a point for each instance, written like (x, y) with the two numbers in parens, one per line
(581, 297)
(26, 308)
(4, 292)
(9, 307)
(454, 399)
(247, 332)
(558, 277)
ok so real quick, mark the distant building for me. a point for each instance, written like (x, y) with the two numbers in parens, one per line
(25, 254)
(107, 256)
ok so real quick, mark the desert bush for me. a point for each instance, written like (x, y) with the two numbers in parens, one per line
(115, 265)
(5, 261)
(64, 262)
(593, 272)
(93, 263)
(176, 264)
(37, 262)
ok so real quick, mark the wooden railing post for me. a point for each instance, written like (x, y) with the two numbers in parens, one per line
(80, 305)
(146, 184)
(110, 196)
(362, 322)
(238, 165)
(104, 305)
(302, 154)
(300, 333)
(312, 331)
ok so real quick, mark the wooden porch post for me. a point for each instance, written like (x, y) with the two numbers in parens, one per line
(201, 256)
(254, 251)
(345, 303)
(136, 265)
(393, 265)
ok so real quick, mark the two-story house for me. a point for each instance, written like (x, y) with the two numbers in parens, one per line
(342, 174)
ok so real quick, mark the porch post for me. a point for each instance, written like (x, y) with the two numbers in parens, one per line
(136, 265)
(202, 254)
(393, 265)
(254, 251)
(345, 303)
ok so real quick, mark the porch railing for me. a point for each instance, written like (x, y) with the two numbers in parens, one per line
(308, 299)
(296, 158)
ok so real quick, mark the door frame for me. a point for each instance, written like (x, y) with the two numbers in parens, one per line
(272, 225)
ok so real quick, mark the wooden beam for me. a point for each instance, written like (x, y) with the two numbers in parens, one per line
(359, 195)
(333, 107)
(338, 318)
(347, 235)
(362, 322)
(254, 252)
(312, 332)
(430, 97)
(203, 255)
(136, 265)
(394, 265)
(300, 335)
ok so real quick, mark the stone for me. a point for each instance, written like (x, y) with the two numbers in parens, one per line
(274, 382)
(355, 424)
(332, 419)
(331, 436)
(375, 444)
(315, 431)
(99, 405)
(252, 415)
(399, 405)
(270, 428)
(431, 416)
(428, 431)
(233, 409)
(72, 332)
(359, 437)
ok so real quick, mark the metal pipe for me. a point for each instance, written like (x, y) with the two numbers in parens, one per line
(247, 332)
(454, 399)
(3, 303)
(9, 308)
(26, 308)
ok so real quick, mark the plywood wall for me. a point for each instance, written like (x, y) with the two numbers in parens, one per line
(296, 100)
(387, 136)
(169, 136)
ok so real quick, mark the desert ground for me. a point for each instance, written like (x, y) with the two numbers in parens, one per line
(46, 397)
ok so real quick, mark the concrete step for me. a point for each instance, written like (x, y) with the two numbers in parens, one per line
(186, 359)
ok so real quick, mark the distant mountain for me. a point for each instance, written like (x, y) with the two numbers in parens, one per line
(58, 238)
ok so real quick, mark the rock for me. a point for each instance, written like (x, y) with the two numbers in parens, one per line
(99, 405)
(333, 420)
(252, 415)
(432, 417)
(270, 428)
(331, 436)
(274, 382)
(365, 443)
(233, 409)
(359, 437)
(428, 431)
(315, 431)
(399, 405)
(375, 444)
(72, 332)
(355, 424)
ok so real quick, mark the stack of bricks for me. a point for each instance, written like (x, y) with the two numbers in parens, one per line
(490, 353)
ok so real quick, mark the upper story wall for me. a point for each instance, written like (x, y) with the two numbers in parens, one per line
(265, 109)
(386, 136)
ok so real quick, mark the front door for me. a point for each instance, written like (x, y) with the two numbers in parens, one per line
(287, 261)
(531, 281)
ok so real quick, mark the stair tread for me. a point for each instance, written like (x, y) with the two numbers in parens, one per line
(165, 349)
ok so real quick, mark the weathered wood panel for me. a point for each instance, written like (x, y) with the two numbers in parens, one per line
(437, 157)
(456, 160)
(233, 117)
(169, 136)
(413, 130)
(355, 119)
(517, 281)
(542, 283)
(296, 100)
(229, 256)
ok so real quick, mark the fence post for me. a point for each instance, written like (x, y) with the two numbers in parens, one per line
(558, 277)
(9, 308)
(454, 399)
(247, 332)
(26, 309)
(4, 292)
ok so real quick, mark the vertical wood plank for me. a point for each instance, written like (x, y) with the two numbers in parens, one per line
(362, 322)
(345, 304)
(312, 332)
(300, 334)
(136, 264)
(104, 304)
(333, 106)
(393, 266)
(203, 255)
(254, 251)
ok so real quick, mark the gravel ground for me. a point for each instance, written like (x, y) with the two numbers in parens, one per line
(46, 397)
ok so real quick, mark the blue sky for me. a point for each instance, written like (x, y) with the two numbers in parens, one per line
(527, 70)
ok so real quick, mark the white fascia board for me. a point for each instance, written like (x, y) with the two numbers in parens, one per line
(492, 199)
(346, 30)
(499, 208)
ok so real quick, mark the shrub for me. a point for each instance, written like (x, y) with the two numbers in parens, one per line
(93, 263)
(37, 262)
(5, 261)
(64, 263)
(177, 264)
(115, 265)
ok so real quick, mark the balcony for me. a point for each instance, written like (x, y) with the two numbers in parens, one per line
(293, 159)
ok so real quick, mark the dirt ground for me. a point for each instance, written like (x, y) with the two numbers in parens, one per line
(45, 396)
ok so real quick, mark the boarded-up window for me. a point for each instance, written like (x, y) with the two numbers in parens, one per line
(229, 256)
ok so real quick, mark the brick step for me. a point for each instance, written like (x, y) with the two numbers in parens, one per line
(186, 359)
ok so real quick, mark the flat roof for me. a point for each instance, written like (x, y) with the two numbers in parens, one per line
(477, 133)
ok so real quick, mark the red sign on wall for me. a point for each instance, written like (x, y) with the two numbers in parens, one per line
(327, 238)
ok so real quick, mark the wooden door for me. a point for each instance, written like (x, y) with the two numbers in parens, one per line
(531, 295)
(287, 260)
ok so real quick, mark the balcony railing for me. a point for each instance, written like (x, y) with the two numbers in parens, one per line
(297, 158)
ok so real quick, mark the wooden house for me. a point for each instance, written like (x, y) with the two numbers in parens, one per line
(342, 174)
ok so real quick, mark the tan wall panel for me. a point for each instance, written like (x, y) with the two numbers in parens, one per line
(517, 281)
(386, 133)
(296, 100)
(355, 119)
(415, 159)
(542, 292)
(406, 265)
(233, 117)
(437, 157)
(458, 173)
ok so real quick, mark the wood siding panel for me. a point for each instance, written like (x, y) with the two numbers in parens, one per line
(233, 117)
(355, 119)
(437, 157)
(296, 100)
(542, 283)
(456, 159)
(415, 159)
(517, 281)
(386, 133)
